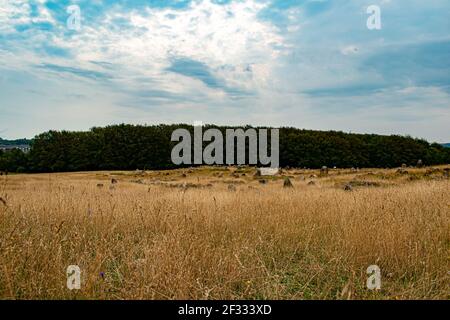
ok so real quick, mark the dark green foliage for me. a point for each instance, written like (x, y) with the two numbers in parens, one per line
(13, 161)
(130, 147)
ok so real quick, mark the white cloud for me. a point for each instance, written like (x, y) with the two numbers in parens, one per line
(13, 12)
(229, 39)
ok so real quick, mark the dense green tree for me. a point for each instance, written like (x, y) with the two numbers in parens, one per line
(130, 147)
(13, 161)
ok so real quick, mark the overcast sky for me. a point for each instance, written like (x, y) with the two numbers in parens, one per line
(310, 64)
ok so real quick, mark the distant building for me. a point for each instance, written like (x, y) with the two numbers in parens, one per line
(22, 147)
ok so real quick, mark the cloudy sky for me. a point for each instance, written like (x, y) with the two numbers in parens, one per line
(308, 63)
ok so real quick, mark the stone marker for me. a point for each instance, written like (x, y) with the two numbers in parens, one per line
(287, 183)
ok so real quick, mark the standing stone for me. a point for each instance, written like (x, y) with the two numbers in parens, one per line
(348, 187)
(287, 183)
(446, 172)
(419, 163)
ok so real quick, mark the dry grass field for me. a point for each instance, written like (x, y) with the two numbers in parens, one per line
(221, 233)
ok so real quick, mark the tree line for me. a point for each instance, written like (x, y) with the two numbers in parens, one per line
(131, 147)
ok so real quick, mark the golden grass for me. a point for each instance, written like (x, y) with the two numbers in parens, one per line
(155, 239)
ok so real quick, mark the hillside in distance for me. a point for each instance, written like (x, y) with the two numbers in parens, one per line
(4, 142)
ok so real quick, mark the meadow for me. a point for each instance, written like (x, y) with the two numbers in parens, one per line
(224, 233)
